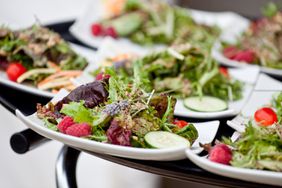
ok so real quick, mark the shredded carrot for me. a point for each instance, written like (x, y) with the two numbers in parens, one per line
(70, 87)
(57, 83)
(55, 91)
(53, 65)
(67, 74)
(121, 57)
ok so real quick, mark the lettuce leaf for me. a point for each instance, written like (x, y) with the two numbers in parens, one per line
(78, 112)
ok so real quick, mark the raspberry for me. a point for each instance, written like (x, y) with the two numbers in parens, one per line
(101, 76)
(65, 123)
(245, 55)
(230, 52)
(110, 31)
(220, 153)
(97, 29)
(79, 130)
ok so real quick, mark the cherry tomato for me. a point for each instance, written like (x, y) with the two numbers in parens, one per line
(224, 71)
(15, 70)
(97, 29)
(265, 116)
(180, 123)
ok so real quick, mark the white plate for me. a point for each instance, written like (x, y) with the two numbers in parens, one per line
(257, 176)
(257, 100)
(266, 88)
(81, 29)
(108, 49)
(248, 76)
(206, 130)
(266, 83)
(85, 52)
(95, 12)
(218, 55)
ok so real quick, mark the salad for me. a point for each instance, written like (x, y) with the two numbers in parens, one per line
(118, 111)
(260, 146)
(39, 56)
(148, 22)
(261, 43)
(185, 71)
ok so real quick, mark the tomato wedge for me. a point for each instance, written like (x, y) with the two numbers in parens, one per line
(265, 116)
(15, 70)
(224, 71)
(180, 123)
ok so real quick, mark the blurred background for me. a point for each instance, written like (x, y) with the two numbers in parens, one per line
(36, 168)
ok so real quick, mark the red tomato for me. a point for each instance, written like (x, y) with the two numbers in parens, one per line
(180, 123)
(224, 71)
(265, 116)
(15, 70)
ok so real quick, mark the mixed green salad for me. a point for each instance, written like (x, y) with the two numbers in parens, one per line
(261, 43)
(260, 146)
(39, 56)
(148, 22)
(184, 71)
(119, 111)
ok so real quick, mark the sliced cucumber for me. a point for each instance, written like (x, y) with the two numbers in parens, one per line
(128, 23)
(205, 104)
(163, 139)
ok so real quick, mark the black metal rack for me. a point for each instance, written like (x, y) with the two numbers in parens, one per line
(27, 140)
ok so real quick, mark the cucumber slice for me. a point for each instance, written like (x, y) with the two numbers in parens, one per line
(163, 139)
(128, 23)
(205, 104)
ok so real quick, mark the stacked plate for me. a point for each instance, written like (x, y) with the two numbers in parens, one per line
(258, 90)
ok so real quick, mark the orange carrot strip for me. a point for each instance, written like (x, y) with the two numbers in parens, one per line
(73, 73)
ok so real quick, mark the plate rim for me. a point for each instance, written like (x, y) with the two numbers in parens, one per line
(122, 151)
(217, 55)
(35, 91)
(228, 171)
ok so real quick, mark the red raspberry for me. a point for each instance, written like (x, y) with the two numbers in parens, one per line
(220, 153)
(245, 55)
(97, 29)
(110, 31)
(66, 122)
(101, 76)
(79, 130)
(230, 52)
